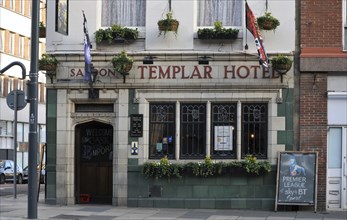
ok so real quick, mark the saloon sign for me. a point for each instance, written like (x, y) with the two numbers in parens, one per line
(184, 72)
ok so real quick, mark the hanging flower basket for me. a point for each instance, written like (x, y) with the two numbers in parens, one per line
(48, 63)
(168, 24)
(281, 64)
(122, 63)
(267, 22)
(42, 30)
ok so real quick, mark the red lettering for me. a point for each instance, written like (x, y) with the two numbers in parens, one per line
(79, 73)
(239, 72)
(266, 74)
(72, 72)
(175, 70)
(255, 68)
(275, 74)
(142, 71)
(226, 71)
(183, 73)
(163, 74)
(196, 72)
(207, 72)
(152, 72)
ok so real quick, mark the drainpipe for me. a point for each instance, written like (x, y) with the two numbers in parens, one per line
(296, 117)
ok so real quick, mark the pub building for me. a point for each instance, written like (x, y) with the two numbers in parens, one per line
(181, 93)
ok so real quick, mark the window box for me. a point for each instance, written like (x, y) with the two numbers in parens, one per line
(116, 34)
(218, 32)
(208, 168)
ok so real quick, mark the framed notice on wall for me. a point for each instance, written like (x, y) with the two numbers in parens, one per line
(223, 138)
(62, 16)
(297, 178)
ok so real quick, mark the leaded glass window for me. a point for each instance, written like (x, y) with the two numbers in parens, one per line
(193, 131)
(254, 130)
(162, 130)
(223, 130)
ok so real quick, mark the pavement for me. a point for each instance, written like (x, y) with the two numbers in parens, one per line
(11, 208)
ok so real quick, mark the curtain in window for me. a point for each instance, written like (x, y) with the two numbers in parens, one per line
(229, 12)
(123, 12)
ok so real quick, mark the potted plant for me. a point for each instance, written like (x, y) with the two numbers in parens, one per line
(281, 63)
(168, 24)
(116, 33)
(48, 63)
(42, 30)
(122, 63)
(218, 32)
(267, 22)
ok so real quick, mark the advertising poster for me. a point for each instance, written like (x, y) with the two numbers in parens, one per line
(223, 138)
(296, 179)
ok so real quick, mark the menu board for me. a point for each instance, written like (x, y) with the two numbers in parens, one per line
(296, 178)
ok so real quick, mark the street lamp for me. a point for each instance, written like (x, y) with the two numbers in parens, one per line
(93, 93)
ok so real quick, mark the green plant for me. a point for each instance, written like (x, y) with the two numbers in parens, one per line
(267, 22)
(207, 168)
(122, 62)
(42, 30)
(251, 165)
(281, 63)
(218, 32)
(48, 62)
(115, 32)
(168, 24)
(162, 169)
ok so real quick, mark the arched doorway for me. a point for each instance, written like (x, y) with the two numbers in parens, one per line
(93, 158)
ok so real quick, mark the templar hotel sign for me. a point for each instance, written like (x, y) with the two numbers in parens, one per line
(185, 72)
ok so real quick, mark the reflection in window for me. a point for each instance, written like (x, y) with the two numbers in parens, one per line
(229, 12)
(129, 13)
(162, 130)
(254, 130)
(224, 122)
(193, 130)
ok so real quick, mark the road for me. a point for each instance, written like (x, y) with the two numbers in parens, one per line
(7, 189)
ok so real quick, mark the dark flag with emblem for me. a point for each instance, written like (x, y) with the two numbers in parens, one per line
(87, 46)
(252, 26)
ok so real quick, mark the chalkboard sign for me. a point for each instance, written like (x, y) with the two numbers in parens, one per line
(296, 178)
(136, 125)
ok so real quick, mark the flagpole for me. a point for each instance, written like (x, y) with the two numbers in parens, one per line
(246, 45)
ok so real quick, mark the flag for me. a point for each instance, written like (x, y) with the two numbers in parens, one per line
(252, 26)
(87, 46)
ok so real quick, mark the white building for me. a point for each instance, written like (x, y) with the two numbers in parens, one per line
(176, 99)
(15, 35)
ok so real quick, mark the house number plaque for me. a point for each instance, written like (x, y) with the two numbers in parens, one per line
(136, 125)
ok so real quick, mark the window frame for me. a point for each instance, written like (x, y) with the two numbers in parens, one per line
(152, 153)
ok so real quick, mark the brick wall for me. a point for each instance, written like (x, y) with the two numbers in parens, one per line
(313, 125)
(321, 23)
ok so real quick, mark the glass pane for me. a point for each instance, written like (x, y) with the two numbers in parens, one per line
(335, 148)
(193, 130)
(224, 123)
(229, 12)
(162, 130)
(254, 130)
(123, 12)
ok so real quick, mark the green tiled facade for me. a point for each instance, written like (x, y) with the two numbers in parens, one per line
(286, 109)
(51, 135)
(232, 191)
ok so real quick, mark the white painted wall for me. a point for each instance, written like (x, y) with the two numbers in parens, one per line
(282, 40)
